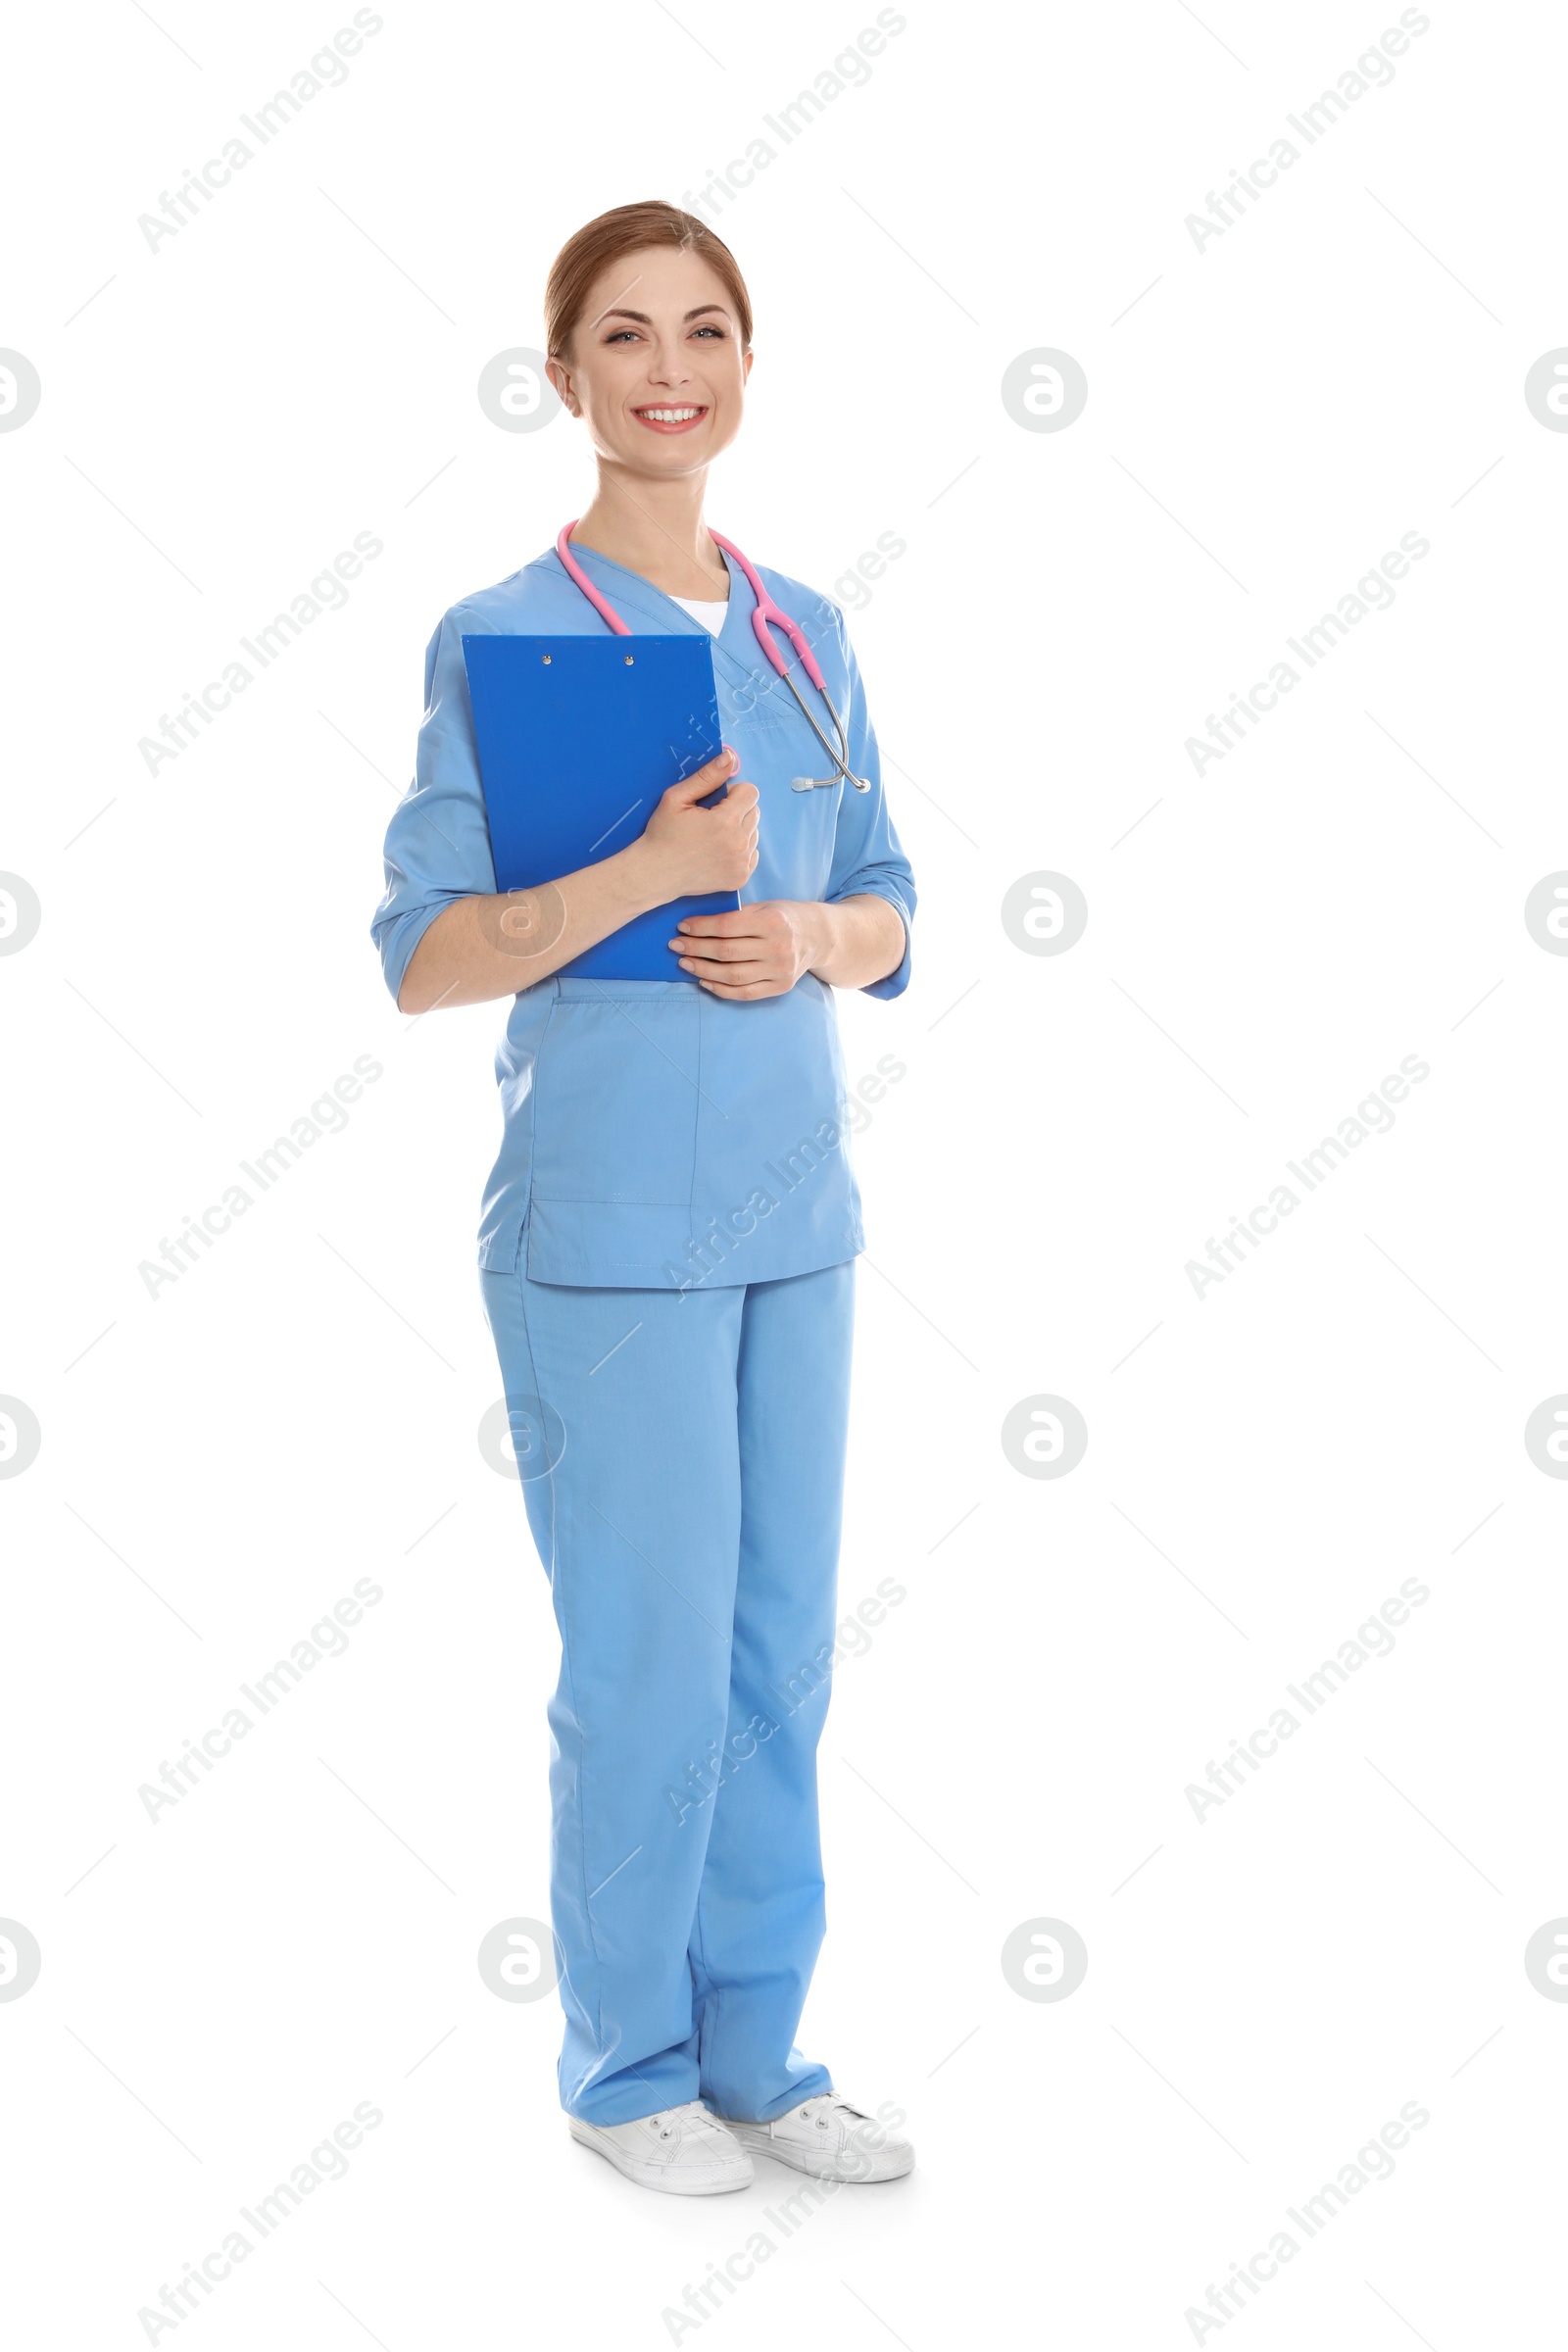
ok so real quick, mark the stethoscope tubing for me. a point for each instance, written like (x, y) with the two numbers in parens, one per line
(766, 616)
(838, 758)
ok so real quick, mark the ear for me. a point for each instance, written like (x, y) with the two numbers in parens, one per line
(746, 366)
(561, 382)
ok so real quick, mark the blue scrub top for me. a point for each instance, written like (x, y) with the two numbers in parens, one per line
(655, 1136)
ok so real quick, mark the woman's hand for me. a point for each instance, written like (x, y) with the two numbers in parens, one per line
(758, 950)
(499, 944)
(762, 950)
(686, 849)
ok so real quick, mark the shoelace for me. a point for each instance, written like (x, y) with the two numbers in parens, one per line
(833, 2100)
(692, 2111)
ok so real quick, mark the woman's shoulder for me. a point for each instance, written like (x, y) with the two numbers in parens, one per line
(538, 595)
(799, 601)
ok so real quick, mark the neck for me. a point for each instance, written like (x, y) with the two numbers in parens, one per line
(655, 529)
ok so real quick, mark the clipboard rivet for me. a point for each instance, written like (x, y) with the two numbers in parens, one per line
(629, 661)
(545, 658)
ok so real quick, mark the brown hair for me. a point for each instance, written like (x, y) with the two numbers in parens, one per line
(632, 228)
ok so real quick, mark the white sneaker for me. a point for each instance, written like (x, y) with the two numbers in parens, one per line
(685, 2151)
(831, 2141)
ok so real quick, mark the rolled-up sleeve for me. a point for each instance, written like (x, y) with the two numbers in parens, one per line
(438, 843)
(868, 855)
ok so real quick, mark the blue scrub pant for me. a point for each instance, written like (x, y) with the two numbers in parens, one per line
(682, 1457)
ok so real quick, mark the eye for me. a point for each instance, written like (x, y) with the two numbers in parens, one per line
(716, 331)
(622, 331)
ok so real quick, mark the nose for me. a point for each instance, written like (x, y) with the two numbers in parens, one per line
(667, 367)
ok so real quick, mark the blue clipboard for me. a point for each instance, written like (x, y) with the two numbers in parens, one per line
(578, 736)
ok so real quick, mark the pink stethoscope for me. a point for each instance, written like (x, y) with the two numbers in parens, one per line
(765, 611)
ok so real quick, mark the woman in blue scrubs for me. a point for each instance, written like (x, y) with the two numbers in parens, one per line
(668, 1247)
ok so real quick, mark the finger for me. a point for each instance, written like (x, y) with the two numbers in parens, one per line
(746, 824)
(704, 780)
(717, 952)
(733, 923)
(727, 950)
(730, 946)
(739, 974)
(768, 987)
(723, 946)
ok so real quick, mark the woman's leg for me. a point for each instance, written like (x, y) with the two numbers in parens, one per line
(760, 1914)
(624, 1407)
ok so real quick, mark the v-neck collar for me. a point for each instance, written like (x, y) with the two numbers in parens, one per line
(635, 597)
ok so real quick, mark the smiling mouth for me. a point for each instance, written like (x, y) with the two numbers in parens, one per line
(673, 418)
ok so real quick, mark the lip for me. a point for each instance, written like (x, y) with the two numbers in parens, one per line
(688, 424)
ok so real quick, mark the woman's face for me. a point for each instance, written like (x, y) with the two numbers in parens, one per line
(657, 368)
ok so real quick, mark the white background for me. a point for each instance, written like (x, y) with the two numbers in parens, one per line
(1266, 1465)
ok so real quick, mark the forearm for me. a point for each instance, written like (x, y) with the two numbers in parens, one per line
(495, 946)
(857, 941)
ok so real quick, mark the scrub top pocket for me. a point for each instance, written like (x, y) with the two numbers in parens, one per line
(616, 1094)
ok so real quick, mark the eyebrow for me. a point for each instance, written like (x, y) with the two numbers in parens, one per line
(643, 318)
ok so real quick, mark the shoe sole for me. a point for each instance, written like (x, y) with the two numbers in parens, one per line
(715, 2184)
(883, 2168)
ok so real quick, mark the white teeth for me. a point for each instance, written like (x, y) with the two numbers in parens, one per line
(670, 415)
